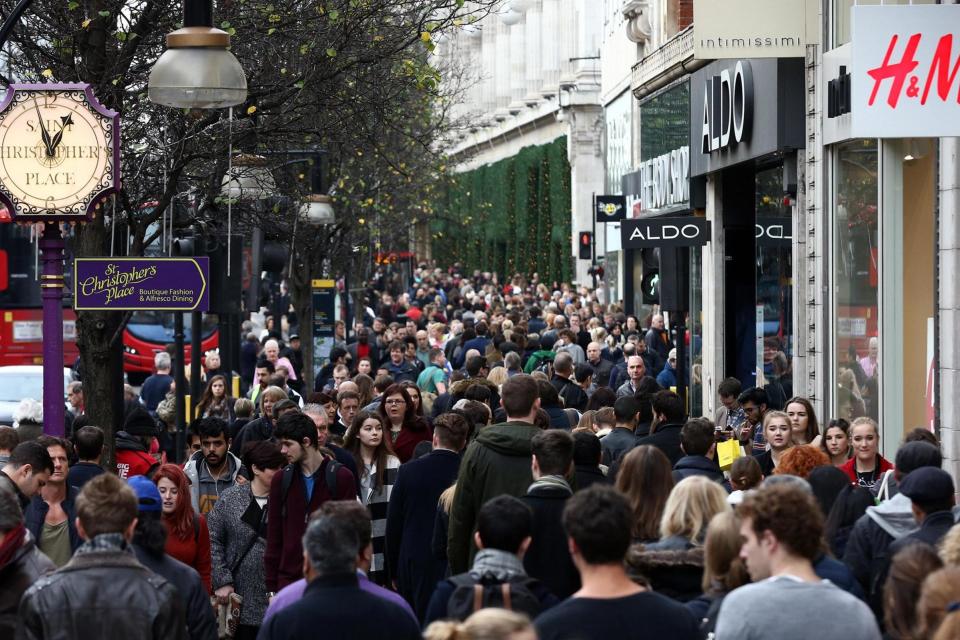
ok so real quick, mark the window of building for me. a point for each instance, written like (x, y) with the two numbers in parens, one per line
(841, 15)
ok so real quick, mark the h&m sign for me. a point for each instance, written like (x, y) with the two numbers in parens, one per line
(905, 80)
(645, 233)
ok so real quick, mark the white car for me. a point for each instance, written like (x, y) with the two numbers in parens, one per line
(24, 381)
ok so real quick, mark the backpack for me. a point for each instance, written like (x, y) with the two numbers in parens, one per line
(330, 476)
(471, 594)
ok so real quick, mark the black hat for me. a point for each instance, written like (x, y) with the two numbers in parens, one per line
(928, 485)
(140, 423)
(916, 455)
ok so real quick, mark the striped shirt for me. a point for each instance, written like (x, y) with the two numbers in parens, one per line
(376, 500)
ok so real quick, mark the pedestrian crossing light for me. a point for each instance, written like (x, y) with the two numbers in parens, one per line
(586, 245)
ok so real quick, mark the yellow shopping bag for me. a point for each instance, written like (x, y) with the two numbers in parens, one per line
(727, 452)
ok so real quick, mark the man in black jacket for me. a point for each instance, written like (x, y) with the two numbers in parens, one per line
(21, 566)
(104, 590)
(547, 559)
(668, 419)
(931, 496)
(333, 597)
(621, 439)
(601, 366)
(413, 509)
(569, 391)
(697, 442)
(149, 540)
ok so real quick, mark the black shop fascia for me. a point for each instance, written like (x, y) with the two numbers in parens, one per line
(746, 125)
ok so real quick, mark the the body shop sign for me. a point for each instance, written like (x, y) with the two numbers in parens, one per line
(906, 78)
(141, 284)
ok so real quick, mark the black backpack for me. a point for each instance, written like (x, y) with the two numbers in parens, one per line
(471, 594)
(329, 475)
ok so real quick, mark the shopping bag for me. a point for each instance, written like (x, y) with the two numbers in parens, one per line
(727, 452)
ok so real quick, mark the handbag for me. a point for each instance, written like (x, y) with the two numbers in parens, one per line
(228, 615)
(727, 452)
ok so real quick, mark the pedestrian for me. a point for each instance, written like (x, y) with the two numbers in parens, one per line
(156, 386)
(504, 530)
(215, 402)
(729, 415)
(597, 523)
(777, 434)
(88, 445)
(306, 482)
(697, 440)
(434, 378)
(867, 466)
(902, 590)
(801, 460)
(782, 533)
(9, 439)
(754, 403)
(657, 338)
(636, 370)
(411, 514)
(134, 444)
(646, 479)
(937, 612)
(406, 428)
(373, 454)
(587, 456)
(496, 463)
(621, 438)
(21, 563)
(149, 543)
(334, 595)
(931, 494)
(51, 516)
(803, 421)
(262, 427)
(213, 469)
(188, 538)
(238, 531)
(723, 569)
(836, 442)
(398, 367)
(667, 377)
(485, 624)
(745, 474)
(673, 565)
(563, 381)
(26, 472)
(104, 592)
(668, 420)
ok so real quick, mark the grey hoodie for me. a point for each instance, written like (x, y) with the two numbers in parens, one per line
(894, 516)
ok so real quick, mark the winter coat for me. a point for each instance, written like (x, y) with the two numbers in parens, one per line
(601, 372)
(588, 475)
(850, 468)
(697, 466)
(548, 557)
(573, 396)
(193, 595)
(37, 512)
(26, 566)
(253, 431)
(496, 463)
(616, 444)
(238, 527)
(410, 524)
(410, 436)
(107, 594)
(193, 474)
(666, 437)
(673, 566)
(133, 457)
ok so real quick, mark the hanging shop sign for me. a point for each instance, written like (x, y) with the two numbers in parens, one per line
(661, 184)
(611, 208)
(905, 81)
(59, 152)
(141, 284)
(752, 28)
(774, 231)
(742, 110)
(644, 233)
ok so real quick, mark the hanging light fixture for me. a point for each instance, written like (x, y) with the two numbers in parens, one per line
(317, 209)
(248, 179)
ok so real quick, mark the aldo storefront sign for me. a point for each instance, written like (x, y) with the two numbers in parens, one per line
(906, 71)
(646, 233)
(743, 110)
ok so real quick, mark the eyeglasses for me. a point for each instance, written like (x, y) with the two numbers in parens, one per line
(394, 401)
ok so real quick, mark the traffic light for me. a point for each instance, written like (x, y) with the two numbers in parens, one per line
(650, 281)
(586, 245)
(185, 246)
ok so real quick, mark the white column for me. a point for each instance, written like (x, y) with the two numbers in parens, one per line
(488, 67)
(534, 75)
(518, 76)
(550, 49)
(714, 277)
(949, 304)
(502, 75)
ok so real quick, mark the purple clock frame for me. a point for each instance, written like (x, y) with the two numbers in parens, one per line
(95, 104)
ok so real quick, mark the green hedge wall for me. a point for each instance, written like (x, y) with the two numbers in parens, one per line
(512, 216)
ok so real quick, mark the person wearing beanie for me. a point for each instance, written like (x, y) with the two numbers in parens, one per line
(133, 445)
(867, 552)
(149, 540)
(931, 498)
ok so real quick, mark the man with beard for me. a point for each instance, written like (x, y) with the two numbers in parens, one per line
(364, 348)
(213, 469)
(51, 514)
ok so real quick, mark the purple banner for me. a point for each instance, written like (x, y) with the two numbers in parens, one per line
(141, 284)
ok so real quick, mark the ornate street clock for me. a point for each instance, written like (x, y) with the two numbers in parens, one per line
(59, 152)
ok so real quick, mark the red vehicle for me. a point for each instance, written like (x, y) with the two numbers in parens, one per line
(21, 337)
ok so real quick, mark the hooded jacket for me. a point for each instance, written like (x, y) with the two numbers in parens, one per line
(193, 474)
(697, 466)
(26, 566)
(133, 457)
(673, 567)
(496, 463)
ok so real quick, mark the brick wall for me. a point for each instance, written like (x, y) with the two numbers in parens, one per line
(684, 13)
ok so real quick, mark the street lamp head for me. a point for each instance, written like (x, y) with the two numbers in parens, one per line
(317, 209)
(197, 71)
(248, 179)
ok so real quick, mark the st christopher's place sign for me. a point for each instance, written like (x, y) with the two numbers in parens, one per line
(141, 284)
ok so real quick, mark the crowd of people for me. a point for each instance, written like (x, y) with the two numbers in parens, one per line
(481, 461)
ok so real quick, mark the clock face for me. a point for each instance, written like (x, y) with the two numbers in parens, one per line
(56, 153)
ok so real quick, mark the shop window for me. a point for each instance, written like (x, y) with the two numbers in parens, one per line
(856, 264)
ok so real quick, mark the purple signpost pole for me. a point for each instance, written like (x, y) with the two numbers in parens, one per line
(51, 290)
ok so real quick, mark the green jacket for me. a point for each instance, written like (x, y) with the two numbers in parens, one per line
(537, 358)
(496, 463)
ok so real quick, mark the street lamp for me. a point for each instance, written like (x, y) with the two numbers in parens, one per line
(197, 71)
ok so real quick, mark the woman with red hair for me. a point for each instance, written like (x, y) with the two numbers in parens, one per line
(188, 539)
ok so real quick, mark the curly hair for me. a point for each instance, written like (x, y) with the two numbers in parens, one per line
(789, 513)
(937, 618)
(801, 460)
(950, 546)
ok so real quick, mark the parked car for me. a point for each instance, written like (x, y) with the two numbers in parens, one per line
(24, 381)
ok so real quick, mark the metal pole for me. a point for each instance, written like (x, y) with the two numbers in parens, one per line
(196, 335)
(593, 240)
(51, 290)
(181, 383)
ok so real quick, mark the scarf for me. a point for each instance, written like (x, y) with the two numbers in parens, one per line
(500, 564)
(551, 481)
(104, 542)
(11, 544)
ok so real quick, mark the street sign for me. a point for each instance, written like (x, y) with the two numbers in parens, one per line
(324, 318)
(141, 284)
(688, 231)
(611, 208)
